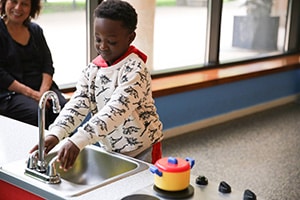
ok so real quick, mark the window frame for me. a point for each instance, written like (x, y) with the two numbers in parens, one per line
(163, 83)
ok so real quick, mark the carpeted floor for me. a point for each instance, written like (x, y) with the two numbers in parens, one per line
(260, 152)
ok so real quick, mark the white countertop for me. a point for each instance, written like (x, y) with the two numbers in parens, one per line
(17, 138)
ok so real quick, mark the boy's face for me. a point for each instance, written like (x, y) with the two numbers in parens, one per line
(112, 39)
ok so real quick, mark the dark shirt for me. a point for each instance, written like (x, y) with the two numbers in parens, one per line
(24, 63)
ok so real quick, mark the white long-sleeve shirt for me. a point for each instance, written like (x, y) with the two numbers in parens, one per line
(119, 97)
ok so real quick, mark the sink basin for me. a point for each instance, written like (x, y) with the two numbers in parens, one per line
(93, 168)
(96, 167)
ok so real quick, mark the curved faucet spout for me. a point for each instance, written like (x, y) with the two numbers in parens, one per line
(41, 165)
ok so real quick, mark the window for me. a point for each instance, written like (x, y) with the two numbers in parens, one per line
(179, 35)
(252, 28)
(176, 34)
(64, 25)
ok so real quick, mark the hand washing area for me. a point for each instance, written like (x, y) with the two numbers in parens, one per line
(96, 173)
(93, 168)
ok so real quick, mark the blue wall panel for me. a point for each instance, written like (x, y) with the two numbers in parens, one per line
(187, 107)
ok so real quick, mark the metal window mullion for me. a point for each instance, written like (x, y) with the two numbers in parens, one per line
(292, 39)
(90, 7)
(213, 31)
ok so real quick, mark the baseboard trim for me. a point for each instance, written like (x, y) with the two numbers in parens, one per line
(172, 132)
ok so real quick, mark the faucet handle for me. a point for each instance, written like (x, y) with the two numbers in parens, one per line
(54, 177)
(32, 160)
(51, 170)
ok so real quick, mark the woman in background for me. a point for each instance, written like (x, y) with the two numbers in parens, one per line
(26, 67)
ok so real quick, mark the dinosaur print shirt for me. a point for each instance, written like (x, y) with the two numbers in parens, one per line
(119, 98)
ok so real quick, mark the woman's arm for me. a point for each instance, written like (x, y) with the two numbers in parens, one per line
(46, 83)
(25, 90)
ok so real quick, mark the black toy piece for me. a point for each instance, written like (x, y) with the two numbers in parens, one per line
(249, 195)
(224, 187)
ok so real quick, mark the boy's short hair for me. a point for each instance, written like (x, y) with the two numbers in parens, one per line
(117, 10)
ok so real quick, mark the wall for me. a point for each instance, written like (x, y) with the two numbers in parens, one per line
(192, 107)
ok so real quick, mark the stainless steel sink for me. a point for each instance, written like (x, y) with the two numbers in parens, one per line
(94, 168)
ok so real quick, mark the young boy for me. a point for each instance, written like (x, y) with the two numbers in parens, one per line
(115, 88)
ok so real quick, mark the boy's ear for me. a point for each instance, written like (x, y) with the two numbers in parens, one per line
(132, 37)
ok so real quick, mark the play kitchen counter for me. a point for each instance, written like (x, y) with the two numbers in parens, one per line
(18, 138)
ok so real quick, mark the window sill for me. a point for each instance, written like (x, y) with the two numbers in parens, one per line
(172, 84)
(177, 83)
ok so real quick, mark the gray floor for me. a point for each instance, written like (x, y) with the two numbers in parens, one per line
(260, 152)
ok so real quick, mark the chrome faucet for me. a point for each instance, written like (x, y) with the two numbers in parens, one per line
(41, 165)
(36, 165)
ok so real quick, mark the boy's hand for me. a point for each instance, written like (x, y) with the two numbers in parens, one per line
(67, 155)
(50, 142)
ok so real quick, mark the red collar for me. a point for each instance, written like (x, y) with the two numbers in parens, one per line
(100, 62)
